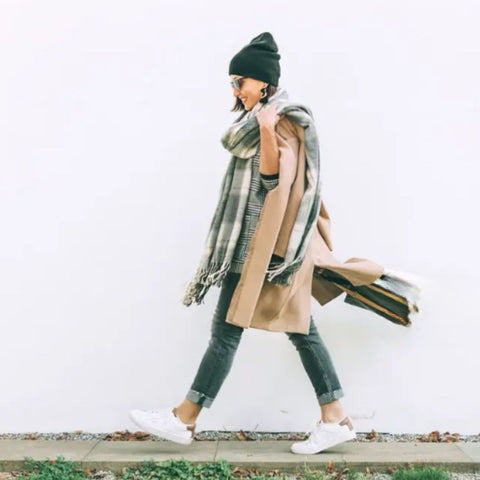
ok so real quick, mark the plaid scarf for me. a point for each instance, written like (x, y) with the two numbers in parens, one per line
(242, 140)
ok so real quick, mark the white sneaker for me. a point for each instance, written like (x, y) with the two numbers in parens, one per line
(164, 423)
(325, 435)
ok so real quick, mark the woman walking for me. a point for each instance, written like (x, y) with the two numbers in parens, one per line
(261, 250)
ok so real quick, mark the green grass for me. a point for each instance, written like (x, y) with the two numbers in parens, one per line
(421, 473)
(179, 469)
(61, 469)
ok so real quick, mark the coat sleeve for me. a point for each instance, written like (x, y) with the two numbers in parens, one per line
(288, 144)
(291, 167)
(285, 142)
(269, 153)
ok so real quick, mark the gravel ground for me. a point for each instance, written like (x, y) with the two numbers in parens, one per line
(212, 435)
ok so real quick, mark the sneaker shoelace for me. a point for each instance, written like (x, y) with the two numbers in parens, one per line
(312, 431)
(319, 430)
(154, 412)
(159, 416)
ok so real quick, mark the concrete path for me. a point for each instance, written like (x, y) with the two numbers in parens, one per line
(261, 454)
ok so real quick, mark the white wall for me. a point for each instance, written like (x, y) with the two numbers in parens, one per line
(110, 122)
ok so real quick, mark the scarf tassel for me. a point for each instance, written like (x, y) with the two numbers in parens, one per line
(213, 274)
(282, 274)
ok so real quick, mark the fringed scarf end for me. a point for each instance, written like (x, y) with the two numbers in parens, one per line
(283, 273)
(204, 279)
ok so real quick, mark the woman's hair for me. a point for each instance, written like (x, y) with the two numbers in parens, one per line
(271, 89)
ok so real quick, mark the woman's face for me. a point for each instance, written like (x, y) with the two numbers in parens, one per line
(250, 91)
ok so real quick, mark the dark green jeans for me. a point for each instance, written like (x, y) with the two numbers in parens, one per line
(225, 337)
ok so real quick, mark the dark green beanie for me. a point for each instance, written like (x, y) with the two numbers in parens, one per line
(259, 59)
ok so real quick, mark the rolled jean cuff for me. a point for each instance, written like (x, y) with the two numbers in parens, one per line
(199, 398)
(330, 396)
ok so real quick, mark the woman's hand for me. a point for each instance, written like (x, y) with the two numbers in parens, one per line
(267, 117)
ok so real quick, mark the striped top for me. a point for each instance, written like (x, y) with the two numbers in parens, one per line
(260, 185)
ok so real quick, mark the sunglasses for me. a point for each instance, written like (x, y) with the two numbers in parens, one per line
(237, 83)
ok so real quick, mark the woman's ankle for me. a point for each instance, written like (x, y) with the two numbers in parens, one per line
(332, 418)
(185, 418)
(332, 412)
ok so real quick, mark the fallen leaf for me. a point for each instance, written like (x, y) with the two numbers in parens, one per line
(241, 435)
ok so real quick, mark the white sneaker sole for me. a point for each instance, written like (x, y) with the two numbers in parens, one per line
(345, 438)
(160, 433)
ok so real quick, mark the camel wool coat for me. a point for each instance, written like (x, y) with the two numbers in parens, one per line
(258, 303)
